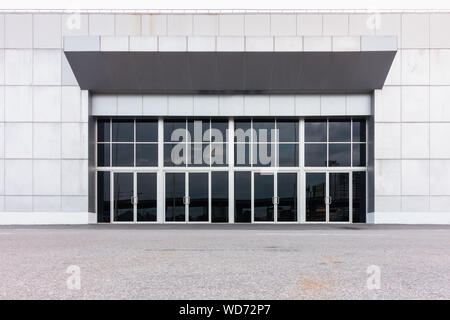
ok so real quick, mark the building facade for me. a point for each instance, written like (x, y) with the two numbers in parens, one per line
(243, 117)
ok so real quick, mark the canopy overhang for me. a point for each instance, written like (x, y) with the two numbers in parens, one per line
(157, 72)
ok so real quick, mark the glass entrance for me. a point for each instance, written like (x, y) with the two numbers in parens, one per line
(134, 197)
(327, 197)
(188, 197)
(263, 197)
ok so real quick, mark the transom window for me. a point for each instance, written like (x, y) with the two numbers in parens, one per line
(335, 143)
(127, 143)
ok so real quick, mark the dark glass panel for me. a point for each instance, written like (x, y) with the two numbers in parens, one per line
(219, 155)
(359, 130)
(219, 126)
(146, 131)
(169, 128)
(315, 197)
(359, 155)
(340, 130)
(340, 155)
(288, 155)
(242, 131)
(103, 155)
(122, 130)
(264, 155)
(287, 131)
(263, 130)
(315, 155)
(146, 155)
(198, 193)
(219, 196)
(339, 197)
(242, 196)
(242, 155)
(146, 196)
(315, 131)
(359, 196)
(199, 130)
(122, 155)
(263, 197)
(103, 197)
(175, 193)
(103, 131)
(199, 155)
(287, 195)
(123, 194)
(177, 158)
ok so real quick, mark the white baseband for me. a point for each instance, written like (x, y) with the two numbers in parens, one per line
(409, 217)
(21, 218)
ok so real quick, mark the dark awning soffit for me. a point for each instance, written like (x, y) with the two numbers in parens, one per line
(230, 72)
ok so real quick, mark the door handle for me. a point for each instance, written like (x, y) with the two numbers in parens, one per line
(275, 200)
(328, 200)
(134, 200)
(186, 200)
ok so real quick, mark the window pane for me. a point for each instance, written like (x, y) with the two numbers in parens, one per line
(170, 128)
(103, 197)
(242, 155)
(199, 155)
(103, 155)
(122, 155)
(123, 131)
(359, 196)
(288, 155)
(146, 193)
(242, 196)
(315, 131)
(219, 196)
(263, 154)
(199, 130)
(287, 131)
(339, 155)
(103, 131)
(315, 155)
(359, 131)
(242, 131)
(175, 154)
(146, 155)
(219, 127)
(359, 155)
(262, 130)
(146, 131)
(219, 154)
(339, 131)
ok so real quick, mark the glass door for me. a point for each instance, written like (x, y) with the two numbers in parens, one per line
(198, 197)
(327, 197)
(315, 195)
(287, 196)
(187, 196)
(338, 197)
(146, 202)
(123, 197)
(264, 199)
(175, 207)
